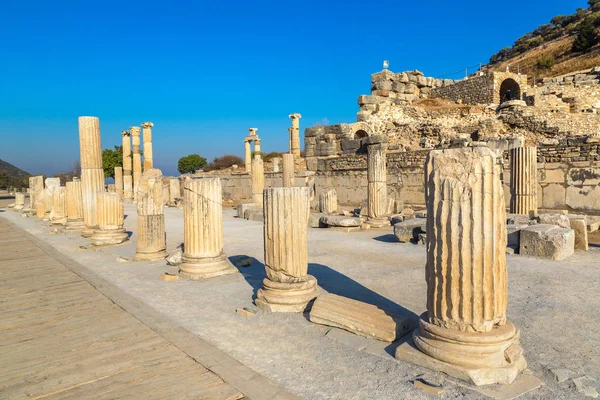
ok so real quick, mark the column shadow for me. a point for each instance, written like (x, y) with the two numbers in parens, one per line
(251, 269)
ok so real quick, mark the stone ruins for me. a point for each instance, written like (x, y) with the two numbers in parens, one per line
(151, 240)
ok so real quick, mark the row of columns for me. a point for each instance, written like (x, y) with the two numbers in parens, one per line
(132, 159)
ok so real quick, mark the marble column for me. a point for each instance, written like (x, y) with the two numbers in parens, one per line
(287, 287)
(59, 206)
(377, 202)
(257, 147)
(258, 179)
(247, 155)
(523, 181)
(290, 134)
(465, 332)
(151, 240)
(137, 158)
(328, 202)
(289, 170)
(295, 135)
(119, 180)
(36, 188)
(147, 132)
(110, 220)
(19, 201)
(203, 255)
(40, 208)
(92, 174)
(275, 161)
(127, 167)
(174, 191)
(74, 206)
(51, 184)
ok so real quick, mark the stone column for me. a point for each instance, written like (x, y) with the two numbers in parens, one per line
(19, 201)
(127, 167)
(148, 161)
(174, 191)
(51, 185)
(328, 202)
(92, 174)
(111, 188)
(36, 188)
(290, 134)
(289, 170)
(258, 179)
(137, 158)
(203, 255)
(151, 240)
(59, 206)
(40, 208)
(74, 206)
(465, 332)
(119, 180)
(523, 180)
(275, 161)
(377, 202)
(110, 220)
(257, 147)
(295, 135)
(247, 155)
(287, 287)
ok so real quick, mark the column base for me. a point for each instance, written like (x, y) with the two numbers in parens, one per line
(378, 222)
(108, 237)
(18, 207)
(58, 221)
(87, 232)
(75, 225)
(476, 358)
(150, 255)
(197, 269)
(286, 297)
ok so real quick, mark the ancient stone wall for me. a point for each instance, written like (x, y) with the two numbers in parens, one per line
(476, 90)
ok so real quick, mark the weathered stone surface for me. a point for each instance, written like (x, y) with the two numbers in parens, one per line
(127, 167)
(410, 229)
(295, 135)
(92, 174)
(258, 179)
(137, 157)
(314, 220)
(328, 203)
(581, 235)
(19, 201)
(547, 241)
(359, 318)
(147, 134)
(110, 220)
(174, 191)
(340, 220)
(513, 234)
(288, 170)
(58, 216)
(519, 220)
(377, 204)
(151, 239)
(244, 207)
(555, 219)
(523, 180)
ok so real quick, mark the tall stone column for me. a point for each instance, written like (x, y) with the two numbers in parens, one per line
(247, 155)
(137, 158)
(51, 184)
(465, 332)
(36, 188)
(92, 174)
(148, 161)
(523, 180)
(127, 167)
(151, 240)
(119, 180)
(174, 191)
(289, 169)
(295, 135)
(291, 134)
(275, 161)
(110, 220)
(257, 147)
(203, 255)
(287, 287)
(59, 206)
(377, 181)
(258, 179)
(74, 206)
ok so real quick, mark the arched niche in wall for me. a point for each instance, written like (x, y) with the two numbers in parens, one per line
(509, 90)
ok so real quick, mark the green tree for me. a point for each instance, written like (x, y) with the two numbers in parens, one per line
(112, 159)
(190, 163)
(586, 38)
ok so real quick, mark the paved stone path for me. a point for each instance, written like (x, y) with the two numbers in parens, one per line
(60, 338)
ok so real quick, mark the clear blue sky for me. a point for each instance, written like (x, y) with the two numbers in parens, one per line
(204, 71)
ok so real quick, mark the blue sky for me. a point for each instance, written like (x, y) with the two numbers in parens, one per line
(204, 72)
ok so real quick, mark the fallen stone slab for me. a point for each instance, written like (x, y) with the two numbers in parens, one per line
(593, 223)
(547, 241)
(513, 233)
(409, 230)
(255, 215)
(244, 207)
(396, 218)
(360, 318)
(581, 234)
(518, 219)
(555, 219)
(340, 220)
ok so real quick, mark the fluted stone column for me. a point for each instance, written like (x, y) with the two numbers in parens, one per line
(287, 287)
(523, 180)
(59, 206)
(247, 155)
(275, 161)
(174, 191)
(377, 202)
(127, 167)
(137, 158)
(147, 132)
(74, 206)
(19, 201)
(92, 174)
(465, 332)
(328, 202)
(110, 220)
(40, 208)
(257, 146)
(119, 180)
(290, 133)
(36, 188)
(203, 255)
(151, 240)
(50, 186)
(295, 135)
(258, 179)
(289, 169)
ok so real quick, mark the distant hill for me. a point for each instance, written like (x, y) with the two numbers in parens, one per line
(550, 49)
(12, 176)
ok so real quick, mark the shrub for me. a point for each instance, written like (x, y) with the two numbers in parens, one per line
(546, 61)
(586, 36)
(190, 163)
(223, 162)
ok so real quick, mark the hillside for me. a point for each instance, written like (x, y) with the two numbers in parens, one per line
(12, 176)
(549, 50)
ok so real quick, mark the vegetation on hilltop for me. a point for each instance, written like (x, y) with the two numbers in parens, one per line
(13, 176)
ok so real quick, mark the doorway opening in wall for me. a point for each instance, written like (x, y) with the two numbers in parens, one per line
(362, 136)
(509, 90)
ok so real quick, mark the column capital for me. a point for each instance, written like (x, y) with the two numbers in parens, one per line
(253, 131)
(125, 133)
(135, 130)
(295, 116)
(146, 125)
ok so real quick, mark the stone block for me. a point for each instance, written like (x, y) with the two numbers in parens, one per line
(552, 176)
(553, 196)
(314, 220)
(581, 235)
(398, 87)
(382, 85)
(547, 241)
(350, 145)
(340, 221)
(593, 223)
(583, 176)
(583, 198)
(359, 318)
(513, 232)
(244, 207)
(409, 230)
(255, 215)
(555, 219)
